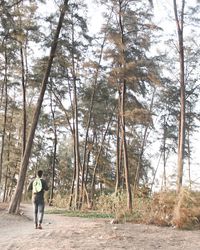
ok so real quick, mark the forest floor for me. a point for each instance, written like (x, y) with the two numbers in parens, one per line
(61, 232)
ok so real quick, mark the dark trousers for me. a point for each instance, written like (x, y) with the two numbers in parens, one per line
(38, 212)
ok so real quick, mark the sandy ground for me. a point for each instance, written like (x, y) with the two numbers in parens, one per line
(60, 232)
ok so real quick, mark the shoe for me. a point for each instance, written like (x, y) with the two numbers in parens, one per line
(36, 226)
(40, 226)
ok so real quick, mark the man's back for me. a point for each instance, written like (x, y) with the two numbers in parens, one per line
(38, 198)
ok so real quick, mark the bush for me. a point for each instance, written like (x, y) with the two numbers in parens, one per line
(180, 211)
(116, 204)
(60, 202)
(112, 204)
(162, 208)
(187, 210)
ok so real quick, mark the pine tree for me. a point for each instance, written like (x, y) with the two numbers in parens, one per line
(131, 70)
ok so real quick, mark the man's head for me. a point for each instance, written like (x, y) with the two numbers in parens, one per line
(40, 173)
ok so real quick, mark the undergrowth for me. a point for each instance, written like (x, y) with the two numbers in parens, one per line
(162, 209)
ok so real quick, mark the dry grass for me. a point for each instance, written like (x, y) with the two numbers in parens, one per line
(169, 209)
(162, 209)
(60, 202)
(187, 210)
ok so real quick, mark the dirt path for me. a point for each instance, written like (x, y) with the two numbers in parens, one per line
(66, 233)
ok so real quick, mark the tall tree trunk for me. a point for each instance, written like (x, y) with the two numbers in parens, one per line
(89, 120)
(181, 135)
(118, 161)
(54, 154)
(74, 149)
(119, 165)
(72, 129)
(125, 155)
(7, 173)
(23, 62)
(24, 104)
(5, 115)
(122, 110)
(144, 141)
(72, 188)
(24, 99)
(97, 161)
(164, 155)
(189, 157)
(189, 151)
(53, 168)
(76, 132)
(13, 207)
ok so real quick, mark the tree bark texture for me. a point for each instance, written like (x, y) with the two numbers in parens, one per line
(181, 135)
(122, 110)
(76, 129)
(24, 100)
(53, 163)
(5, 116)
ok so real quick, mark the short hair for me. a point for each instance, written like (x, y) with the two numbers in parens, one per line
(40, 173)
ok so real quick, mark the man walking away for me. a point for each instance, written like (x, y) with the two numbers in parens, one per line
(38, 186)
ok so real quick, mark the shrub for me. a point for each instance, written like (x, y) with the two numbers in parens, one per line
(59, 201)
(187, 210)
(162, 208)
